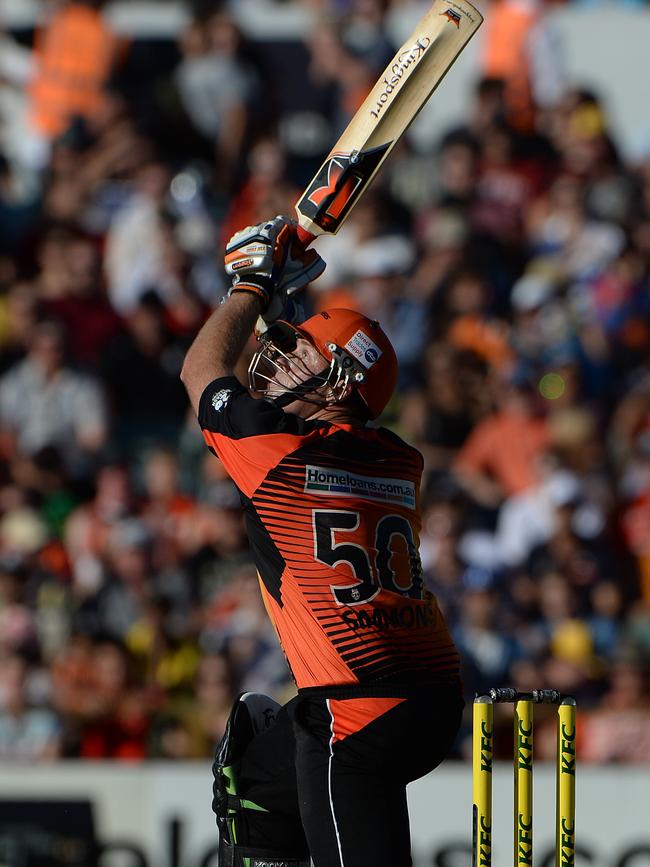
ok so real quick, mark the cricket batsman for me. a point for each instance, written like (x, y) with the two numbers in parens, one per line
(332, 513)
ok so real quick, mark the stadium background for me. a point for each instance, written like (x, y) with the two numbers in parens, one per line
(505, 248)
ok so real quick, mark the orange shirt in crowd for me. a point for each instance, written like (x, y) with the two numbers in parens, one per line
(75, 54)
(505, 446)
(484, 338)
(505, 53)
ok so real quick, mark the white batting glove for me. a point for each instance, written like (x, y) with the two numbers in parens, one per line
(269, 260)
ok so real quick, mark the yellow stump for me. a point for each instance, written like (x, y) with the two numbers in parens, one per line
(565, 779)
(482, 732)
(523, 784)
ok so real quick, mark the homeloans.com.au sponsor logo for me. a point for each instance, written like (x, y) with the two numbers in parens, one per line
(329, 481)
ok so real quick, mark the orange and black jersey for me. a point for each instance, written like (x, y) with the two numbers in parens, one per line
(332, 514)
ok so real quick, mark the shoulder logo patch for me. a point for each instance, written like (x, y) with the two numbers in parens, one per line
(220, 398)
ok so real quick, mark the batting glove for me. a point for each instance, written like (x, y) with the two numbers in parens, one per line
(269, 261)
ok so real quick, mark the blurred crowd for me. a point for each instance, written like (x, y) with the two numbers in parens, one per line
(509, 261)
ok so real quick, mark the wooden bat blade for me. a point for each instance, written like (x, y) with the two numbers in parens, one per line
(393, 103)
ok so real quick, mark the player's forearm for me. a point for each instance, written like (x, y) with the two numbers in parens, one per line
(220, 343)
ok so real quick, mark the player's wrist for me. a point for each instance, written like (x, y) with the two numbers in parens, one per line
(256, 286)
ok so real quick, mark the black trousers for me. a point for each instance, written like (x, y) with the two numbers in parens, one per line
(341, 767)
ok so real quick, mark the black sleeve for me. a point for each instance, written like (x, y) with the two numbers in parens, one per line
(227, 408)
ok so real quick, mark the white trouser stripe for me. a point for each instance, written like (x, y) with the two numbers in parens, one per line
(329, 783)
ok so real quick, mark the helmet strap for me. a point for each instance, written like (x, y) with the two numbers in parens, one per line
(289, 396)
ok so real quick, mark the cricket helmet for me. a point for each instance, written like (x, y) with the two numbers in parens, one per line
(359, 353)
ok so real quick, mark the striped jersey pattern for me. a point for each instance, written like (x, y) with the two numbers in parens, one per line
(332, 516)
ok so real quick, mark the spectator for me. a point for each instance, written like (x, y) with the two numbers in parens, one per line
(69, 83)
(16, 69)
(43, 402)
(141, 368)
(618, 731)
(86, 314)
(487, 653)
(522, 48)
(498, 459)
(442, 417)
(364, 33)
(204, 721)
(530, 518)
(18, 317)
(135, 256)
(123, 592)
(471, 327)
(561, 233)
(26, 733)
(216, 86)
(606, 620)
(119, 724)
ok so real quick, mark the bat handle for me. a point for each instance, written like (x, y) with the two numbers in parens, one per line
(305, 237)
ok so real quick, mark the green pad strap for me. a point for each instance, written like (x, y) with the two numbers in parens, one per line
(233, 801)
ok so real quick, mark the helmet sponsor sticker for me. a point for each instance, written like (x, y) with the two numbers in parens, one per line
(361, 347)
(340, 483)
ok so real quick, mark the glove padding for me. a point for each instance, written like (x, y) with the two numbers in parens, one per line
(269, 261)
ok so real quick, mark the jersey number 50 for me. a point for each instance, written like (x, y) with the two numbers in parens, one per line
(371, 581)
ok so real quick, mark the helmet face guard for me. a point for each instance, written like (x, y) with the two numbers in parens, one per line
(275, 357)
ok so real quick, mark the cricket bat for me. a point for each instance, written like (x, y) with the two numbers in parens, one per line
(393, 103)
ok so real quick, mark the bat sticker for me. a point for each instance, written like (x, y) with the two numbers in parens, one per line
(337, 186)
(403, 66)
(452, 16)
(337, 189)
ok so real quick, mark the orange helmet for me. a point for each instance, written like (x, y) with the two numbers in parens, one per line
(347, 334)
